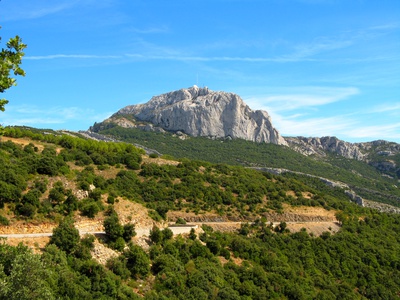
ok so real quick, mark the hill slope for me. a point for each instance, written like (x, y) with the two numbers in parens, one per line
(42, 176)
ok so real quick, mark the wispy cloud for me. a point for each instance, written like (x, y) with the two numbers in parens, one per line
(386, 107)
(183, 58)
(345, 127)
(72, 56)
(332, 126)
(319, 45)
(22, 10)
(386, 131)
(291, 115)
(149, 30)
(301, 97)
(38, 116)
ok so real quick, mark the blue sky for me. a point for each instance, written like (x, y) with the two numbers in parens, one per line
(319, 67)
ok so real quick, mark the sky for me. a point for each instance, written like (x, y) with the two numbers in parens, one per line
(318, 67)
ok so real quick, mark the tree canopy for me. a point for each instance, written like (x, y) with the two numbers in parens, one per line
(10, 61)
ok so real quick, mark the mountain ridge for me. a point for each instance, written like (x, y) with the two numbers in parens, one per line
(201, 112)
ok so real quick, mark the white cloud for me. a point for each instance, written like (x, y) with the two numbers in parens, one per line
(290, 113)
(387, 131)
(300, 98)
(330, 126)
(173, 57)
(320, 45)
(77, 56)
(343, 127)
(386, 107)
(22, 10)
(37, 116)
(149, 30)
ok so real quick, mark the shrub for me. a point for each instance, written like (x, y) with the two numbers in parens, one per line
(129, 232)
(47, 166)
(167, 234)
(118, 266)
(113, 228)
(66, 236)
(156, 235)
(4, 221)
(138, 262)
(180, 221)
(26, 210)
(89, 208)
(110, 199)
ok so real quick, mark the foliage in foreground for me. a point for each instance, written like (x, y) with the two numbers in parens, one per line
(359, 262)
(10, 61)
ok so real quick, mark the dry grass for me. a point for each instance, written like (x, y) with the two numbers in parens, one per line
(26, 141)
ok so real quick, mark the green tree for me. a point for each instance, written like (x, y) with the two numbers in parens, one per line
(192, 234)
(66, 236)
(28, 279)
(129, 232)
(10, 60)
(167, 234)
(138, 262)
(156, 235)
(112, 227)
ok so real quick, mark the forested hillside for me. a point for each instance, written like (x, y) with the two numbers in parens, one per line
(41, 172)
(366, 180)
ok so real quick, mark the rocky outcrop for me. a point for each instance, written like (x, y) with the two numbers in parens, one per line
(318, 146)
(201, 112)
(382, 155)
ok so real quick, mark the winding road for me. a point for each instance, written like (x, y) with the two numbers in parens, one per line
(176, 229)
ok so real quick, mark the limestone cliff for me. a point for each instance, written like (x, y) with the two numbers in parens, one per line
(318, 146)
(202, 112)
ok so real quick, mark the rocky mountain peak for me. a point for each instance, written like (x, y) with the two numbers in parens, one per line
(201, 112)
(318, 146)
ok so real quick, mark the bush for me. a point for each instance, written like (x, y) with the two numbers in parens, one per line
(26, 210)
(180, 221)
(113, 228)
(119, 244)
(41, 184)
(89, 208)
(4, 221)
(156, 235)
(110, 199)
(66, 236)
(129, 232)
(32, 197)
(138, 262)
(118, 266)
(47, 166)
(167, 234)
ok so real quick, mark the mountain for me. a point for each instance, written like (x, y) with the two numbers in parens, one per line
(201, 112)
(382, 155)
(320, 146)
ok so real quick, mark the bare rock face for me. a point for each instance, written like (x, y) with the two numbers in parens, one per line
(318, 146)
(201, 112)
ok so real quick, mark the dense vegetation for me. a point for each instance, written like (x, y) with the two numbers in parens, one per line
(196, 186)
(259, 261)
(359, 262)
(362, 177)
